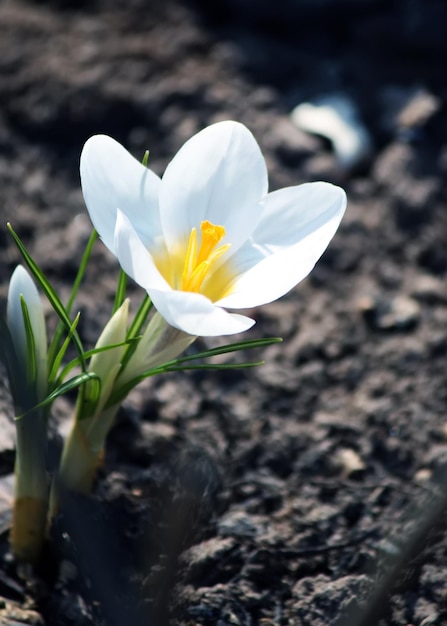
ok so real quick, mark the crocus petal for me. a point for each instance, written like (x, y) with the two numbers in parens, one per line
(21, 284)
(297, 225)
(196, 315)
(111, 178)
(134, 258)
(219, 175)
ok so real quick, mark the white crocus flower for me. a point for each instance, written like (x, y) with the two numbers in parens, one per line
(21, 286)
(207, 236)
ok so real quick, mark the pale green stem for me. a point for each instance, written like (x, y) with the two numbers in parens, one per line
(84, 448)
(31, 488)
(83, 451)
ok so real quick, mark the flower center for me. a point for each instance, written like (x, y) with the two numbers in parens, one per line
(198, 262)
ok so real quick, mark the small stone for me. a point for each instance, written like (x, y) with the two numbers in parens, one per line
(7, 434)
(399, 313)
(403, 313)
(419, 108)
(429, 289)
(407, 108)
(209, 553)
(159, 431)
(423, 476)
(6, 501)
(237, 524)
(11, 614)
(431, 620)
(349, 462)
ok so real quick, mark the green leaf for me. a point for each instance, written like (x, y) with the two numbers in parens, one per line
(126, 342)
(135, 328)
(140, 317)
(69, 385)
(31, 364)
(119, 394)
(145, 158)
(50, 294)
(211, 366)
(89, 400)
(250, 344)
(120, 294)
(81, 271)
(90, 353)
(60, 355)
(176, 365)
(57, 338)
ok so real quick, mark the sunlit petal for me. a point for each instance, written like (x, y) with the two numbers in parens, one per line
(113, 179)
(296, 228)
(134, 258)
(219, 175)
(196, 315)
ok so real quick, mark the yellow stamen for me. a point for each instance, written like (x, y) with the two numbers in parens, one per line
(190, 258)
(197, 265)
(211, 235)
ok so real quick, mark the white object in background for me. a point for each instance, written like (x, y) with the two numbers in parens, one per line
(335, 118)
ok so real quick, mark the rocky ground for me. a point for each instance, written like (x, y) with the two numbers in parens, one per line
(308, 491)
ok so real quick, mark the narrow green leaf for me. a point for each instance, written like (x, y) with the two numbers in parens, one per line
(93, 351)
(209, 366)
(60, 355)
(140, 317)
(81, 271)
(89, 353)
(90, 400)
(57, 338)
(31, 364)
(50, 294)
(136, 326)
(251, 344)
(181, 363)
(69, 385)
(120, 294)
(119, 394)
(145, 158)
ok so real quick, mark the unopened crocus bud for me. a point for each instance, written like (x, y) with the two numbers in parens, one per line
(107, 364)
(22, 286)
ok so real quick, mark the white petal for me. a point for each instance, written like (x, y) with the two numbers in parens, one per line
(196, 315)
(297, 226)
(218, 175)
(113, 179)
(134, 258)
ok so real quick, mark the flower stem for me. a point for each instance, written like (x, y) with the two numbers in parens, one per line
(31, 488)
(83, 451)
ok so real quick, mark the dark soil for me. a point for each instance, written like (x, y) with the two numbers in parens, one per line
(308, 491)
